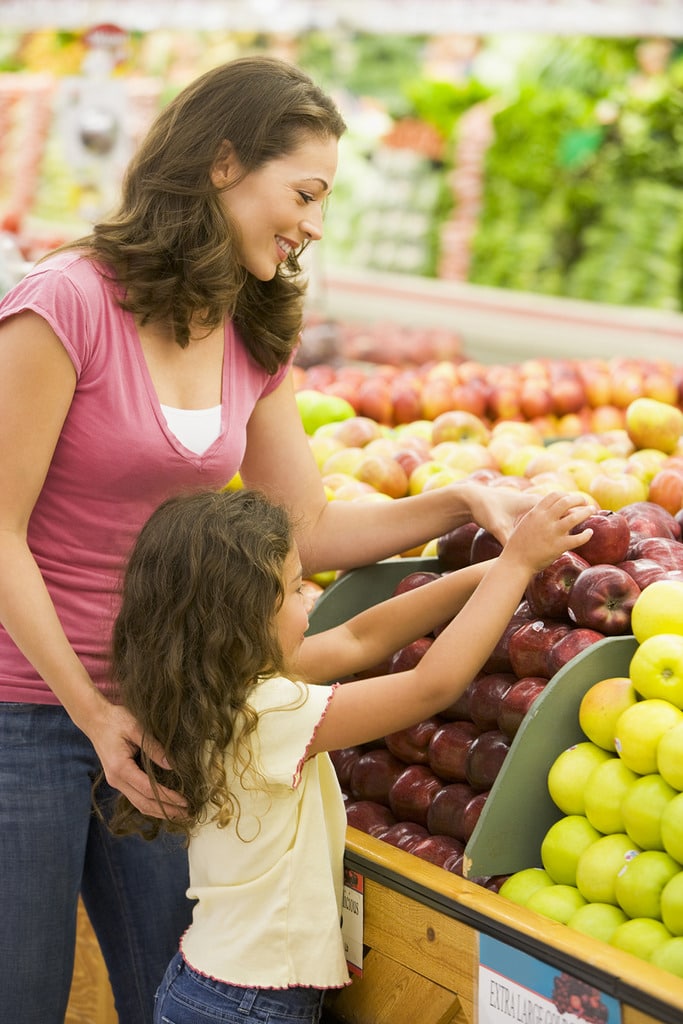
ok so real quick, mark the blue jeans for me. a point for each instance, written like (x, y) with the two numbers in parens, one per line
(52, 846)
(187, 997)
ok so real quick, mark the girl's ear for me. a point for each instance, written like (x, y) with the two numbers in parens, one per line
(226, 167)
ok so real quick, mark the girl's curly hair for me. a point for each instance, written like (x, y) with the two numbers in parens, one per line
(193, 634)
(169, 248)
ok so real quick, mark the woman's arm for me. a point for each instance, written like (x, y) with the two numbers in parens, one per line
(378, 632)
(343, 534)
(37, 382)
(364, 710)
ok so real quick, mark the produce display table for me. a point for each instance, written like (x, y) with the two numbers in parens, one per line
(421, 932)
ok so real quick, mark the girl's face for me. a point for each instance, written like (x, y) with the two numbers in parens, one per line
(291, 620)
(278, 206)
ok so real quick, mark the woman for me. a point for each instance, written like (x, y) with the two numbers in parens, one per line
(150, 358)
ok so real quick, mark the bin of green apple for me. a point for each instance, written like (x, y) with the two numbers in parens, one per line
(611, 864)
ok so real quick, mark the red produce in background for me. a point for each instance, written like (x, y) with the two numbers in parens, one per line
(411, 745)
(412, 793)
(517, 702)
(373, 774)
(448, 749)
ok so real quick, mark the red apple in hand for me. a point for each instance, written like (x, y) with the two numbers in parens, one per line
(602, 599)
(412, 793)
(486, 694)
(484, 546)
(453, 548)
(445, 815)
(548, 591)
(411, 745)
(485, 758)
(369, 817)
(517, 702)
(448, 749)
(530, 645)
(373, 775)
(567, 647)
(611, 538)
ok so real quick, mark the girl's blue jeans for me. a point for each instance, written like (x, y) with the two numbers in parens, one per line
(187, 997)
(53, 847)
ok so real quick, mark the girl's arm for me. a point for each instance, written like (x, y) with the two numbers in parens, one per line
(342, 534)
(37, 383)
(378, 632)
(365, 710)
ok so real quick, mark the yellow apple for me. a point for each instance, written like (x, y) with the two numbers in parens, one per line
(342, 459)
(557, 902)
(523, 883)
(316, 408)
(672, 828)
(654, 424)
(642, 808)
(656, 668)
(640, 936)
(669, 956)
(599, 865)
(639, 730)
(459, 425)
(670, 757)
(658, 609)
(639, 884)
(612, 492)
(421, 474)
(601, 706)
(569, 773)
(598, 920)
(606, 787)
(562, 845)
(672, 903)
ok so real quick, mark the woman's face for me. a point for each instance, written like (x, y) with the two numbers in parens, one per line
(278, 206)
(291, 619)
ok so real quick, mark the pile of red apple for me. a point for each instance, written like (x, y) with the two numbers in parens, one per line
(423, 788)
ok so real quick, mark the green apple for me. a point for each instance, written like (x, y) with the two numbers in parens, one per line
(601, 706)
(558, 902)
(670, 756)
(521, 885)
(658, 609)
(606, 787)
(650, 423)
(640, 728)
(562, 845)
(642, 807)
(316, 408)
(599, 865)
(672, 903)
(672, 828)
(597, 919)
(569, 773)
(669, 956)
(656, 668)
(640, 936)
(639, 883)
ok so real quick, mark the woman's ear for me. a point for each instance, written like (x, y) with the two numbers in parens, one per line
(226, 167)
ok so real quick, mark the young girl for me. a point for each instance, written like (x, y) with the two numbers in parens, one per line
(210, 653)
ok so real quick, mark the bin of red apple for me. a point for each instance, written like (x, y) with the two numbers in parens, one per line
(423, 789)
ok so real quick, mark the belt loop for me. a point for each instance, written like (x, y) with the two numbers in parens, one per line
(248, 1000)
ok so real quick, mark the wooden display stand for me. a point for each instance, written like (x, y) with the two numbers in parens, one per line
(421, 935)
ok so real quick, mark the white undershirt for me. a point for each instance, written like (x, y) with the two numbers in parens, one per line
(197, 429)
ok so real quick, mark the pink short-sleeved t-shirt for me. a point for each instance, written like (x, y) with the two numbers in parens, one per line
(115, 460)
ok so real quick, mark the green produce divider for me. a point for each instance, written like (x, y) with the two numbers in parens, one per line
(519, 810)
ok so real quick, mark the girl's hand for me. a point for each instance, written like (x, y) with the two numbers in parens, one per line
(117, 741)
(499, 509)
(545, 531)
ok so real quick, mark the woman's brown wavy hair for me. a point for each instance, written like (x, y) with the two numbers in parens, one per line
(172, 253)
(193, 635)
